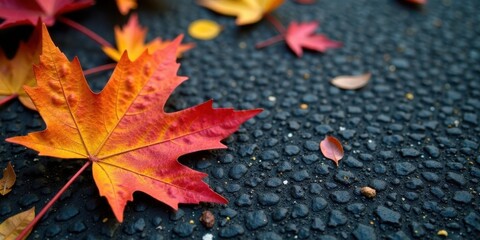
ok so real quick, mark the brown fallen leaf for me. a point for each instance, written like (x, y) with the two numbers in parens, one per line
(351, 82)
(8, 179)
(332, 149)
(14, 225)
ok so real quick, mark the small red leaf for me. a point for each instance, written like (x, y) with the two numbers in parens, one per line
(302, 35)
(332, 149)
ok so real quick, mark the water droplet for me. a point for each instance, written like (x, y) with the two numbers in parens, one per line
(130, 82)
(57, 101)
(72, 99)
(140, 106)
(64, 70)
(54, 85)
(149, 89)
(147, 69)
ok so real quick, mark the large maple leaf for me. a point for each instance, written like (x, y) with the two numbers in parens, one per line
(132, 38)
(20, 12)
(132, 143)
(246, 11)
(18, 71)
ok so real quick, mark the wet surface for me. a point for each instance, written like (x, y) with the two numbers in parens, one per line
(412, 133)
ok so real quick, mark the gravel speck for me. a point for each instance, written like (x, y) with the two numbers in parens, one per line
(340, 196)
(268, 199)
(364, 232)
(231, 231)
(67, 213)
(337, 218)
(237, 171)
(318, 204)
(318, 224)
(462, 197)
(404, 168)
(456, 178)
(387, 215)
(299, 211)
(184, 229)
(256, 219)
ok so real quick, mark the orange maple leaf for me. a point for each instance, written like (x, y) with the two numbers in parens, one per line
(123, 131)
(18, 71)
(132, 39)
(124, 6)
(246, 11)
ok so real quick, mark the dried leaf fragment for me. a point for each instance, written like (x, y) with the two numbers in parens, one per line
(368, 192)
(8, 179)
(332, 149)
(14, 225)
(204, 29)
(351, 82)
(207, 219)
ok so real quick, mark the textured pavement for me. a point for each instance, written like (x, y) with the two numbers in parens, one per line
(412, 134)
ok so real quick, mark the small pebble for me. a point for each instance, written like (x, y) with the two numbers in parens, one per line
(368, 192)
(231, 231)
(207, 219)
(184, 229)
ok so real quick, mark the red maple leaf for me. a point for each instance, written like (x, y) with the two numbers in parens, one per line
(123, 131)
(301, 35)
(27, 12)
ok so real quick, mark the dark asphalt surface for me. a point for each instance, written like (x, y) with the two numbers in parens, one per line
(413, 133)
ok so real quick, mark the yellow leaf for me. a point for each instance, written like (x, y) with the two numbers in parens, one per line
(14, 225)
(246, 11)
(204, 29)
(131, 38)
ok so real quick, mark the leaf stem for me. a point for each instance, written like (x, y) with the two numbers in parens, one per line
(52, 201)
(277, 24)
(89, 33)
(99, 68)
(8, 98)
(270, 41)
